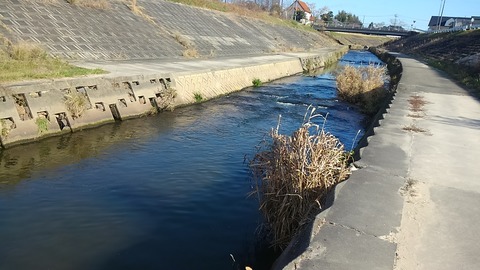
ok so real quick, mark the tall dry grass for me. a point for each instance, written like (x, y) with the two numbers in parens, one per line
(294, 173)
(363, 86)
(76, 103)
(97, 4)
(26, 51)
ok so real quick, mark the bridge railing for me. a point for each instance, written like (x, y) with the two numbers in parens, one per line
(360, 26)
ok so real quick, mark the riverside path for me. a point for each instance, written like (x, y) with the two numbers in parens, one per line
(415, 201)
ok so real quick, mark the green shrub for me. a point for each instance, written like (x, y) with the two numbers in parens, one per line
(257, 82)
(42, 124)
(198, 97)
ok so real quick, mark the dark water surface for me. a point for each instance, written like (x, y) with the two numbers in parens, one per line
(162, 192)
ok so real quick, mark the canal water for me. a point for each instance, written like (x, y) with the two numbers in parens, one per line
(162, 192)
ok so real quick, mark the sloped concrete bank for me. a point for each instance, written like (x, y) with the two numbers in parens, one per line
(353, 223)
(118, 96)
(162, 30)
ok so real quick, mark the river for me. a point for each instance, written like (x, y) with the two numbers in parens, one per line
(162, 192)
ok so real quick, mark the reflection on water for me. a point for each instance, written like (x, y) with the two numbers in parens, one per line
(163, 192)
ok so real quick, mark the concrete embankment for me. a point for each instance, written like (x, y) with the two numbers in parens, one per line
(144, 53)
(133, 90)
(162, 30)
(413, 201)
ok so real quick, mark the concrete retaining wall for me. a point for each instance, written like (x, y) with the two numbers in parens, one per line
(112, 99)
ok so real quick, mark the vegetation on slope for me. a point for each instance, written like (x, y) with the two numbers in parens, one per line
(25, 61)
(447, 52)
(247, 9)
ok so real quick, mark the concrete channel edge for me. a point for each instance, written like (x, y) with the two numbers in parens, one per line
(114, 98)
(347, 233)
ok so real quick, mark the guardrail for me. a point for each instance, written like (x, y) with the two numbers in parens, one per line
(364, 30)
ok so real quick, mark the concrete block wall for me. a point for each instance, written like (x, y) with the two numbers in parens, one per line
(216, 83)
(108, 100)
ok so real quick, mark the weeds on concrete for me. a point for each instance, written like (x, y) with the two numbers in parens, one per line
(76, 103)
(26, 60)
(293, 173)
(5, 127)
(42, 124)
(165, 100)
(257, 82)
(363, 86)
(189, 48)
(97, 4)
(190, 53)
(198, 97)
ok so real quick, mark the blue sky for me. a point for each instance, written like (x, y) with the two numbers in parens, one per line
(407, 10)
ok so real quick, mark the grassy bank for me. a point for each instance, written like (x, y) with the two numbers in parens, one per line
(446, 52)
(248, 9)
(27, 61)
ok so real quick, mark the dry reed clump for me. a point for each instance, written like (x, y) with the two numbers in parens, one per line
(293, 174)
(362, 86)
(165, 100)
(97, 4)
(76, 104)
(189, 48)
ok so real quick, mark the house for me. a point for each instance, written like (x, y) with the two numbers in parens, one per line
(445, 22)
(299, 6)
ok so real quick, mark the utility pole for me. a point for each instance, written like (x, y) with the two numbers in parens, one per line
(442, 7)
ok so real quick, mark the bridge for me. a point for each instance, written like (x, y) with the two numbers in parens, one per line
(386, 31)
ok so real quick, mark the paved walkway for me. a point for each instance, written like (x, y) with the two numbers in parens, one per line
(415, 203)
(146, 67)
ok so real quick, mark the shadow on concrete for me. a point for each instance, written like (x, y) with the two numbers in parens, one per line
(458, 121)
(301, 242)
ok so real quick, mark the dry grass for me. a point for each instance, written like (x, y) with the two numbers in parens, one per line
(76, 104)
(191, 53)
(97, 4)
(362, 86)
(189, 48)
(293, 174)
(138, 10)
(6, 125)
(246, 9)
(47, 2)
(165, 100)
(24, 51)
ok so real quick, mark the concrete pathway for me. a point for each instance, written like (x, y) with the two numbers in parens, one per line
(415, 202)
(147, 67)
